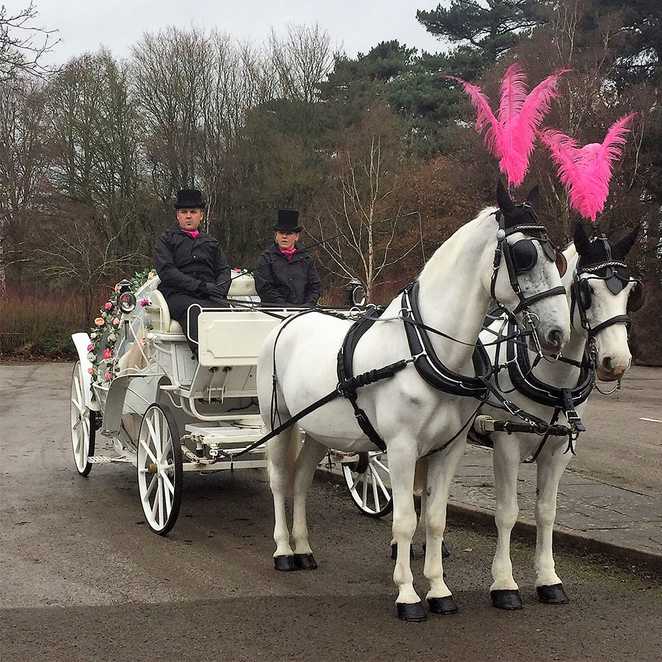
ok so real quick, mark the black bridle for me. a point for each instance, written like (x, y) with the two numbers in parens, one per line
(616, 275)
(520, 258)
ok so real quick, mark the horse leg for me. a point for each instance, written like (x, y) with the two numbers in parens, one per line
(420, 478)
(402, 462)
(550, 469)
(504, 591)
(305, 467)
(281, 457)
(441, 469)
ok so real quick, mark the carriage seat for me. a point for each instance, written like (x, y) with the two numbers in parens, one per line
(242, 288)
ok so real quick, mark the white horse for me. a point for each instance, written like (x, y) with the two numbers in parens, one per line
(413, 418)
(603, 292)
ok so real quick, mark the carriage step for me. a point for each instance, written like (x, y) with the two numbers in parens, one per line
(105, 459)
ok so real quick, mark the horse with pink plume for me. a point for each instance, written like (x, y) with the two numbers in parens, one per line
(602, 293)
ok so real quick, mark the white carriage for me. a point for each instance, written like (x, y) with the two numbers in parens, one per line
(168, 413)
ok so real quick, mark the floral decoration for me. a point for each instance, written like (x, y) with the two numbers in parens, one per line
(104, 335)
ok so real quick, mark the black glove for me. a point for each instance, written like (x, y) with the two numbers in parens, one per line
(214, 291)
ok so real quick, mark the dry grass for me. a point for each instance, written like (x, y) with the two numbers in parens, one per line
(40, 324)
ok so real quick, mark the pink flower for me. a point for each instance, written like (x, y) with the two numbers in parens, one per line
(108, 305)
(108, 376)
(90, 347)
(107, 354)
(99, 321)
(90, 371)
(116, 321)
(144, 302)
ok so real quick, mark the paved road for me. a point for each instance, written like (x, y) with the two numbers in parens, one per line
(82, 579)
(619, 446)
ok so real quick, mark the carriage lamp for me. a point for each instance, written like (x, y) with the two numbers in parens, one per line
(126, 300)
(356, 294)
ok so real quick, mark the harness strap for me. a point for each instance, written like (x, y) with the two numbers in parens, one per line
(520, 373)
(526, 301)
(543, 441)
(617, 319)
(348, 384)
(429, 365)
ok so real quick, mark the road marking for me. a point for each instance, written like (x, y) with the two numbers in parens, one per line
(651, 420)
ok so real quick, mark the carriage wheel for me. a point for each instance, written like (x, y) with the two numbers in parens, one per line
(368, 483)
(159, 468)
(83, 423)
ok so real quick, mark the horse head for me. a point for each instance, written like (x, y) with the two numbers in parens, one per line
(530, 284)
(603, 294)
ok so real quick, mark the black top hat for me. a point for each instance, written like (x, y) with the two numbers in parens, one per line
(288, 221)
(189, 198)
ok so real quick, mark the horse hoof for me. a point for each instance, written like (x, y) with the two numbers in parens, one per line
(284, 563)
(506, 599)
(394, 552)
(552, 595)
(443, 606)
(413, 612)
(305, 562)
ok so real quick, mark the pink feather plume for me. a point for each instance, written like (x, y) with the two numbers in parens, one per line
(586, 171)
(510, 136)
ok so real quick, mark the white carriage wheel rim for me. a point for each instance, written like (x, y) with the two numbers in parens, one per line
(369, 485)
(80, 422)
(157, 489)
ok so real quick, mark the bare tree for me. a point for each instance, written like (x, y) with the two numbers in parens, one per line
(23, 44)
(362, 233)
(80, 257)
(302, 60)
(22, 166)
(94, 144)
(171, 72)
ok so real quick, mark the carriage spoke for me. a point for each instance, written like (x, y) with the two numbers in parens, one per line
(356, 482)
(147, 450)
(381, 465)
(166, 448)
(157, 435)
(157, 500)
(162, 510)
(365, 490)
(150, 487)
(167, 496)
(167, 482)
(380, 482)
(152, 434)
(375, 492)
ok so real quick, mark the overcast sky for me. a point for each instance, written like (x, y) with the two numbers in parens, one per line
(355, 25)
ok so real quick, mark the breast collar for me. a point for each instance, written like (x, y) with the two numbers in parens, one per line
(429, 366)
(522, 377)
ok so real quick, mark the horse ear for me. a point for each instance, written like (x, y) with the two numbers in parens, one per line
(533, 199)
(503, 198)
(582, 242)
(623, 247)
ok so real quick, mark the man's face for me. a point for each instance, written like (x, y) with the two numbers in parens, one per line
(189, 219)
(286, 239)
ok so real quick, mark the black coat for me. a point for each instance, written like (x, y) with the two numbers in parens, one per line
(186, 265)
(281, 282)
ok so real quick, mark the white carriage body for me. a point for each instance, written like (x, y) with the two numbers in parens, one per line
(213, 399)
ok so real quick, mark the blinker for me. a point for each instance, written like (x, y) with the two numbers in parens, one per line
(525, 255)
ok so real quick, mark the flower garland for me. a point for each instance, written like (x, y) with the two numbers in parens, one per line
(105, 333)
